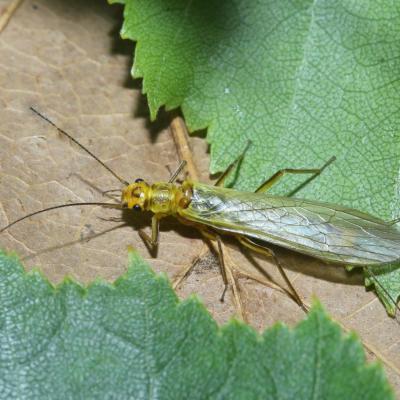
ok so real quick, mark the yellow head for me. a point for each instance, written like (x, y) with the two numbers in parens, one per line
(136, 195)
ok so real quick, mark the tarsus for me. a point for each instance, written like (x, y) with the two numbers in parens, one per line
(376, 282)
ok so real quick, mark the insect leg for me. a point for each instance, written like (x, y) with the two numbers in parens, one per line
(278, 175)
(177, 172)
(213, 236)
(188, 269)
(110, 191)
(222, 178)
(111, 219)
(227, 273)
(377, 285)
(394, 221)
(270, 253)
(152, 241)
(222, 266)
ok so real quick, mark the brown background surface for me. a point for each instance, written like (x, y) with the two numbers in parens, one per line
(67, 60)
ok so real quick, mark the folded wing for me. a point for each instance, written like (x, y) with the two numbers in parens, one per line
(326, 231)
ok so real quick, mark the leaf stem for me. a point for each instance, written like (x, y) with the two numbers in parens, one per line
(180, 135)
(8, 12)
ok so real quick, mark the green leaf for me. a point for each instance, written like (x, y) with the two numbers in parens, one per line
(385, 279)
(304, 80)
(135, 339)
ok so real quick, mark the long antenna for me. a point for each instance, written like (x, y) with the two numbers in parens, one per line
(59, 206)
(123, 181)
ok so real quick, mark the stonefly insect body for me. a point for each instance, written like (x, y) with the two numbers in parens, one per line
(329, 232)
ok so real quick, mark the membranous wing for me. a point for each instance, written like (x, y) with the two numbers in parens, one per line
(326, 231)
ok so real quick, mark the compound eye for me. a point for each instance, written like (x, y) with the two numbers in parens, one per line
(139, 180)
(136, 207)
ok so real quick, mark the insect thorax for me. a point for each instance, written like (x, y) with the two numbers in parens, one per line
(160, 198)
(168, 198)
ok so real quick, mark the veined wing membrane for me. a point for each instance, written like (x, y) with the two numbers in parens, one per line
(326, 231)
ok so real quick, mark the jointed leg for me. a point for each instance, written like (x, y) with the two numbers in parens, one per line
(269, 253)
(177, 172)
(111, 191)
(184, 272)
(152, 241)
(222, 266)
(226, 272)
(222, 178)
(394, 221)
(188, 268)
(228, 276)
(278, 175)
(213, 236)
